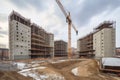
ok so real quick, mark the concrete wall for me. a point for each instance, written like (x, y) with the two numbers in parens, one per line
(4, 54)
(51, 44)
(104, 42)
(60, 48)
(118, 51)
(8, 67)
(20, 40)
(78, 45)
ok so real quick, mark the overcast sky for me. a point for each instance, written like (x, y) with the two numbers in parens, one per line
(86, 15)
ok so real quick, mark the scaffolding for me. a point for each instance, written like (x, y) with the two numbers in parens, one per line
(40, 42)
(60, 48)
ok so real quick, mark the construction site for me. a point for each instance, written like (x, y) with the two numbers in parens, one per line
(49, 69)
(33, 53)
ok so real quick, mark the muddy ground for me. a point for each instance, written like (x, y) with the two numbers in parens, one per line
(87, 69)
(12, 75)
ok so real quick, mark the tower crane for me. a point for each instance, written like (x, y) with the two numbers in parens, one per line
(70, 24)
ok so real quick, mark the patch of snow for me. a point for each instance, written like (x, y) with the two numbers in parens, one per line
(31, 73)
(111, 61)
(75, 71)
(24, 73)
(34, 65)
(21, 65)
(34, 75)
(37, 61)
(24, 70)
(42, 67)
(58, 61)
(55, 77)
(43, 76)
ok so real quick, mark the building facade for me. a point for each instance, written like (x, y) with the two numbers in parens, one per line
(100, 43)
(4, 54)
(42, 43)
(19, 36)
(104, 40)
(118, 51)
(28, 40)
(85, 46)
(60, 48)
(51, 43)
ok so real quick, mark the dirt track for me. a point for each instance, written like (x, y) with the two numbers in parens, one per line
(64, 68)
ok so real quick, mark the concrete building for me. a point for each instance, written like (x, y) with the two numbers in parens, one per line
(4, 53)
(42, 43)
(19, 36)
(100, 43)
(85, 46)
(74, 51)
(104, 40)
(28, 40)
(75, 54)
(118, 51)
(51, 43)
(60, 48)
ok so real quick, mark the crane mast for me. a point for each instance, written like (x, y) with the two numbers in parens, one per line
(69, 21)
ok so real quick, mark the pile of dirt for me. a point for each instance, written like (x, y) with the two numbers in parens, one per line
(50, 74)
(12, 75)
(88, 68)
(64, 64)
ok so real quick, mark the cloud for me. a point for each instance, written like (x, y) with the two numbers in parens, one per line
(46, 13)
(91, 8)
(3, 17)
(4, 28)
(3, 32)
(1, 36)
(37, 4)
(4, 40)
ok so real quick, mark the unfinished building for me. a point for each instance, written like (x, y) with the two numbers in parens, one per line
(28, 40)
(100, 43)
(118, 51)
(104, 40)
(60, 48)
(42, 43)
(19, 36)
(85, 46)
(4, 54)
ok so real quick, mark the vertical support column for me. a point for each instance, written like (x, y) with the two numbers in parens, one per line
(69, 40)
(69, 35)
